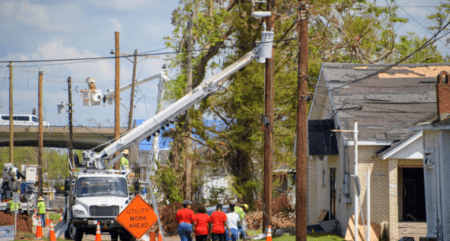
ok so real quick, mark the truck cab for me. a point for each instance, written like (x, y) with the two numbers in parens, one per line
(99, 196)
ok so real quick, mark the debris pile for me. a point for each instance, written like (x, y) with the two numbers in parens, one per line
(23, 221)
(280, 220)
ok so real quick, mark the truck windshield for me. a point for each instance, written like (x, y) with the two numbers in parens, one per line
(101, 186)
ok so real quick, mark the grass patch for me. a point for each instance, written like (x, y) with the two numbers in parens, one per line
(311, 237)
(54, 216)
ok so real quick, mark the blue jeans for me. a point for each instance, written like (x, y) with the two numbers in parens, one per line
(234, 234)
(185, 230)
(241, 230)
(43, 220)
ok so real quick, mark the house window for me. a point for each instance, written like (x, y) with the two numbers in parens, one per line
(323, 178)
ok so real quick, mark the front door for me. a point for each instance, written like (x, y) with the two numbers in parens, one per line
(413, 195)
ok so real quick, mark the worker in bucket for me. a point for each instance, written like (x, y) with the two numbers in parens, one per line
(41, 210)
(91, 82)
(124, 164)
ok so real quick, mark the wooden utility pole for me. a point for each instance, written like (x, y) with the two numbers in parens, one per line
(268, 127)
(133, 84)
(69, 83)
(11, 113)
(40, 135)
(117, 95)
(302, 127)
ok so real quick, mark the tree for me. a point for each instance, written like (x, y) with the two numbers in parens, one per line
(344, 31)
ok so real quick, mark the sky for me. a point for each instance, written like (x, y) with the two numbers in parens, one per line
(38, 29)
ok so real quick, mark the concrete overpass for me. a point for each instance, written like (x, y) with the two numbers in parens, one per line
(58, 136)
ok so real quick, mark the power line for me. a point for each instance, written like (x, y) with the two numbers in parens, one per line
(139, 55)
(430, 41)
(445, 45)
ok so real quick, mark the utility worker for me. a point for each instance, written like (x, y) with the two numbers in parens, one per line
(242, 226)
(41, 209)
(124, 165)
(91, 83)
(13, 206)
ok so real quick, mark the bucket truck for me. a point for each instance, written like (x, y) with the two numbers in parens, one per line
(100, 194)
(14, 181)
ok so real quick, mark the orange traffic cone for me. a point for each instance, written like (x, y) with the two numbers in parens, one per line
(52, 232)
(269, 234)
(61, 216)
(152, 236)
(39, 230)
(47, 221)
(98, 235)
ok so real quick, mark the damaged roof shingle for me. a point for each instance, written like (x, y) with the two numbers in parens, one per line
(385, 105)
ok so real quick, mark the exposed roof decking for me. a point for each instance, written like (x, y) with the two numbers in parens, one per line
(385, 105)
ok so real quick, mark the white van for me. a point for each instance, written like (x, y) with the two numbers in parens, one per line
(21, 120)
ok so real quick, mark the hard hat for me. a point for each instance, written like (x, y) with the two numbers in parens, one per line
(92, 80)
(125, 152)
(40, 198)
(245, 206)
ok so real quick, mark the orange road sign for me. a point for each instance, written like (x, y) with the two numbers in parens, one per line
(137, 217)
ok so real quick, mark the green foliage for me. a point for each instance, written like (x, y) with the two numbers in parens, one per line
(344, 31)
(169, 183)
(54, 162)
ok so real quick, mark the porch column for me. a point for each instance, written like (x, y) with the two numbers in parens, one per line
(393, 199)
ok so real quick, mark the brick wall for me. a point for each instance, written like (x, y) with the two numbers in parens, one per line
(442, 93)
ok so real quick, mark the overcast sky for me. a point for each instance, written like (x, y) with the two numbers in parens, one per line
(38, 29)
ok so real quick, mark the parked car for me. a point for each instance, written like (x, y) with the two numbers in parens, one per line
(21, 120)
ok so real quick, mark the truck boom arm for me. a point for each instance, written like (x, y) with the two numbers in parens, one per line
(109, 96)
(163, 118)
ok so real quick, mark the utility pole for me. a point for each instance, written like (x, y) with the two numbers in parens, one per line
(11, 113)
(69, 83)
(40, 135)
(117, 95)
(302, 127)
(268, 127)
(133, 84)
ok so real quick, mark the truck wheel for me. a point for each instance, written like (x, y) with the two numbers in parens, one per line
(78, 234)
(67, 235)
(114, 236)
(126, 236)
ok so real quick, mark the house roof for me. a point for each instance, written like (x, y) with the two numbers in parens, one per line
(386, 104)
(399, 145)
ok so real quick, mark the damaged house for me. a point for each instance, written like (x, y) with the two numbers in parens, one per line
(386, 106)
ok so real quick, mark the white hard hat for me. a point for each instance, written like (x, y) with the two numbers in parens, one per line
(92, 80)
(125, 151)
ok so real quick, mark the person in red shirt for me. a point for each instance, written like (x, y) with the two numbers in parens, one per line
(200, 227)
(218, 221)
(184, 218)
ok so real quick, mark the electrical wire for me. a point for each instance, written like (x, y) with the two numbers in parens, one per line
(445, 45)
(139, 55)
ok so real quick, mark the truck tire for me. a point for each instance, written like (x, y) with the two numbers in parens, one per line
(67, 235)
(78, 234)
(114, 236)
(126, 236)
